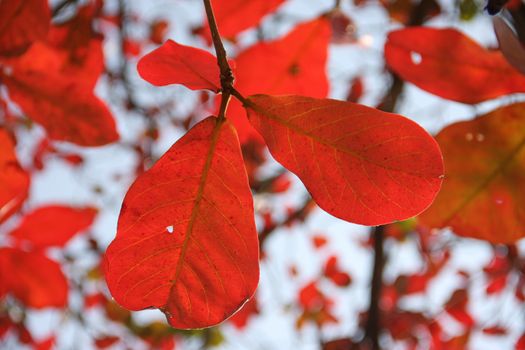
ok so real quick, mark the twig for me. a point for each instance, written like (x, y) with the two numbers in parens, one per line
(222, 60)
(297, 214)
(373, 323)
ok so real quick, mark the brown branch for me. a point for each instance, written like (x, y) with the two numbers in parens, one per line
(389, 103)
(222, 60)
(373, 323)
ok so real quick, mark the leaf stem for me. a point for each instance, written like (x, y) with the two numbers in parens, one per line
(222, 60)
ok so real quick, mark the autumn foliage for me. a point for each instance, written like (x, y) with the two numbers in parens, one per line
(207, 187)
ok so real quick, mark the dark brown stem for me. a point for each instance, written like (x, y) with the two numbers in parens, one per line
(373, 325)
(222, 59)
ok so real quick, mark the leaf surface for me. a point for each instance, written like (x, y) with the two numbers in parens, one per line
(65, 106)
(21, 23)
(33, 278)
(449, 64)
(359, 164)
(186, 240)
(294, 64)
(53, 225)
(173, 63)
(13, 179)
(482, 195)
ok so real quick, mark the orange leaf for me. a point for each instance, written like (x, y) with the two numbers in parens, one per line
(173, 63)
(294, 64)
(449, 64)
(65, 106)
(21, 23)
(14, 180)
(53, 225)
(485, 177)
(186, 240)
(360, 164)
(33, 278)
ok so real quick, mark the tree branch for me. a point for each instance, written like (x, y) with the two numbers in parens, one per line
(373, 323)
(222, 60)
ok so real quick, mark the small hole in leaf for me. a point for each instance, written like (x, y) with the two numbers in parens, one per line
(169, 229)
(415, 57)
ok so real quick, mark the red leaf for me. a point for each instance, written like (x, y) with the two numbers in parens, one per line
(33, 278)
(65, 106)
(451, 65)
(496, 285)
(294, 64)
(22, 22)
(53, 225)
(520, 343)
(319, 241)
(234, 16)
(332, 271)
(14, 180)
(310, 297)
(158, 31)
(360, 164)
(79, 46)
(173, 63)
(485, 177)
(240, 319)
(186, 240)
(106, 342)
(495, 330)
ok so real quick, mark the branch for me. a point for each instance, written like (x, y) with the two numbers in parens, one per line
(222, 60)
(373, 323)
(388, 104)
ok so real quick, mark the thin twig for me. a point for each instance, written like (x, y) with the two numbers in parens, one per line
(222, 60)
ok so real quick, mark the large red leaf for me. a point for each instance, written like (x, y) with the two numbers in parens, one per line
(360, 164)
(234, 16)
(53, 225)
(33, 278)
(14, 181)
(482, 195)
(65, 106)
(21, 23)
(186, 240)
(173, 63)
(451, 65)
(294, 64)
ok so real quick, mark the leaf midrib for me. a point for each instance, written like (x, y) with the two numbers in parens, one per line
(198, 198)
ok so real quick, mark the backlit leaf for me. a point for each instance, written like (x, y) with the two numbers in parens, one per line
(186, 240)
(21, 23)
(294, 64)
(173, 63)
(65, 106)
(14, 181)
(33, 278)
(485, 177)
(359, 164)
(449, 64)
(53, 225)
